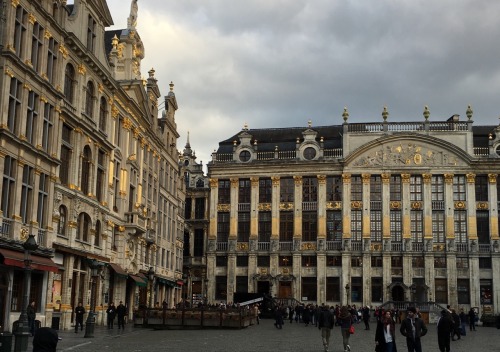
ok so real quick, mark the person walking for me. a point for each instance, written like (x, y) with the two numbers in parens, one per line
(111, 312)
(456, 325)
(463, 321)
(385, 335)
(366, 317)
(325, 324)
(121, 311)
(278, 316)
(31, 312)
(472, 319)
(413, 329)
(79, 312)
(444, 328)
(345, 319)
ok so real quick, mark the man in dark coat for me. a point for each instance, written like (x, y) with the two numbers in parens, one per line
(121, 311)
(111, 312)
(456, 325)
(445, 326)
(31, 312)
(45, 340)
(413, 329)
(325, 324)
(79, 312)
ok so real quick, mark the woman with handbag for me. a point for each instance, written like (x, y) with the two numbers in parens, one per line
(346, 326)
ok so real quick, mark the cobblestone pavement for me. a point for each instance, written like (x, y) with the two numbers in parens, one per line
(264, 337)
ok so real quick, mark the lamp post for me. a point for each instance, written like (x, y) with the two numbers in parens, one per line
(23, 330)
(90, 322)
(151, 277)
(347, 291)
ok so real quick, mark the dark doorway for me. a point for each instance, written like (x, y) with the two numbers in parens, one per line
(285, 289)
(3, 296)
(398, 293)
(263, 287)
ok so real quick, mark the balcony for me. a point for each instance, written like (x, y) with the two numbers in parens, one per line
(356, 246)
(461, 247)
(397, 246)
(135, 223)
(417, 246)
(309, 206)
(263, 246)
(5, 228)
(333, 245)
(41, 238)
(221, 246)
(286, 246)
(484, 248)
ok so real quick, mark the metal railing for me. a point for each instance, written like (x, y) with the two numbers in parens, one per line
(286, 246)
(221, 246)
(5, 227)
(484, 248)
(42, 234)
(333, 245)
(263, 246)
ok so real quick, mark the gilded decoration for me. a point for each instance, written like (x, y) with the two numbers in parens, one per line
(346, 178)
(242, 246)
(427, 178)
(223, 207)
(286, 206)
(81, 69)
(405, 178)
(14, 3)
(448, 178)
(254, 181)
(321, 179)
(275, 180)
(410, 154)
(309, 246)
(459, 205)
(47, 34)
(366, 178)
(234, 182)
(482, 205)
(285, 271)
(214, 182)
(264, 206)
(333, 205)
(438, 248)
(263, 271)
(376, 247)
(416, 205)
(127, 124)
(297, 180)
(31, 18)
(9, 73)
(24, 234)
(386, 178)
(471, 178)
(356, 204)
(492, 178)
(63, 50)
(395, 205)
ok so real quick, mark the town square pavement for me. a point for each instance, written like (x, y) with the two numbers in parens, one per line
(262, 338)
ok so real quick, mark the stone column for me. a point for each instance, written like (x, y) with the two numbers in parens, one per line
(427, 206)
(346, 210)
(321, 207)
(214, 193)
(233, 222)
(254, 211)
(470, 205)
(386, 209)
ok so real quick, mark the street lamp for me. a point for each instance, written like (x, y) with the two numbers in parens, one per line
(90, 323)
(23, 330)
(151, 277)
(347, 290)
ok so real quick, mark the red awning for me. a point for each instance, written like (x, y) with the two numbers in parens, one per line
(14, 258)
(118, 270)
(180, 282)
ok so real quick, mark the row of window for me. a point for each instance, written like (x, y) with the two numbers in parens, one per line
(334, 189)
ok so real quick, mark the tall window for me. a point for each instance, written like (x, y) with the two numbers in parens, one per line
(416, 226)
(86, 164)
(20, 31)
(244, 191)
(438, 225)
(69, 83)
(463, 290)
(286, 226)
(395, 188)
(459, 189)
(377, 289)
(310, 189)
(334, 188)
(356, 188)
(395, 225)
(91, 34)
(222, 227)
(83, 229)
(89, 99)
(51, 60)
(48, 113)
(103, 114)
(101, 169)
(36, 46)
(460, 226)
(333, 225)
(61, 225)
(43, 196)
(198, 243)
(441, 289)
(481, 187)
(287, 189)
(357, 289)
(264, 226)
(309, 288)
(26, 193)
(375, 188)
(333, 289)
(483, 226)
(265, 190)
(31, 116)
(199, 208)
(116, 185)
(97, 235)
(8, 186)
(224, 192)
(309, 226)
(15, 100)
(66, 151)
(356, 229)
(376, 225)
(415, 188)
(243, 226)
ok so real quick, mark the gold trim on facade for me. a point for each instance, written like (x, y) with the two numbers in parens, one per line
(333, 205)
(264, 207)
(356, 204)
(482, 205)
(395, 205)
(471, 178)
(405, 178)
(242, 246)
(459, 205)
(224, 207)
(416, 205)
(286, 206)
(308, 246)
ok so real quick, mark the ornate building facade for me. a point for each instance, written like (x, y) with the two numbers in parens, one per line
(358, 213)
(87, 166)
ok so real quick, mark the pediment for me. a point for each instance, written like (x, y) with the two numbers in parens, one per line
(408, 152)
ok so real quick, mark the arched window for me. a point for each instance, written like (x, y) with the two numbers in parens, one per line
(61, 225)
(97, 237)
(83, 229)
(89, 99)
(103, 114)
(86, 164)
(69, 82)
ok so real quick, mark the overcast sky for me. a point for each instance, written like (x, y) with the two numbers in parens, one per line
(280, 63)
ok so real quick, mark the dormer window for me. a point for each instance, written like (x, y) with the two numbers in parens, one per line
(91, 34)
(245, 156)
(309, 153)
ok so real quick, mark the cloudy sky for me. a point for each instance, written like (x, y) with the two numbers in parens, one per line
(279, 63)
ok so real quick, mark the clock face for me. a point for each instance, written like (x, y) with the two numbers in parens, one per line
(309, 153)
(245, 156)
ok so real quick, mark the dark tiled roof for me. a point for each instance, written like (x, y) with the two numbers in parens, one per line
(481, 135)
(108, 36)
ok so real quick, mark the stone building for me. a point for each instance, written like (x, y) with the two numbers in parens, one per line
(87, 164)
(358, 213)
